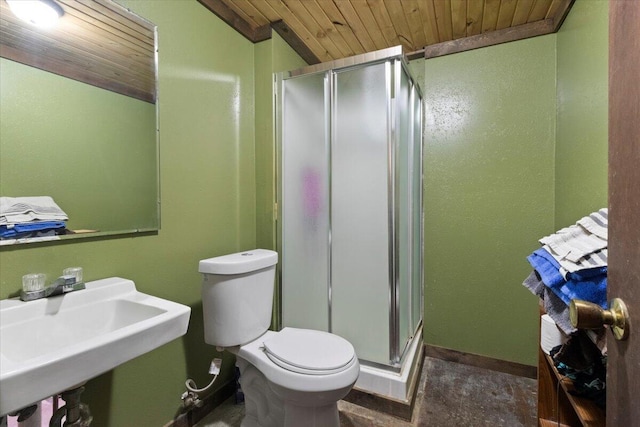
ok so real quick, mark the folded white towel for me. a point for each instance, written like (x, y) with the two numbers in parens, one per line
(597, 223)
(17, 210)
(580, 246)
(574, 243)
(593, 260)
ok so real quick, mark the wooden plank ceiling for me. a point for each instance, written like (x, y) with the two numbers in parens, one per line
(96, 41)
(325, 30)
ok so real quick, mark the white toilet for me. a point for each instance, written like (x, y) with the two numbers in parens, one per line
(294, 377)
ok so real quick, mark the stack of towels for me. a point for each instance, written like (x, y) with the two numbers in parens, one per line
(38, 216)
(571, 264)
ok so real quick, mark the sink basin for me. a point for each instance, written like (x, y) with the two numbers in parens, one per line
(53, 344)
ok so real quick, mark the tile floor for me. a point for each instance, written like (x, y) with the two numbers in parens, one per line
(449, 394)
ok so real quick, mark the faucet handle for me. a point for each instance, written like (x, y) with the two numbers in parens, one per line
(73, 271)
(33, 286)
(33, 282)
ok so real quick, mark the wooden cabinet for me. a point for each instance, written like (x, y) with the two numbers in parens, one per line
(556, 403)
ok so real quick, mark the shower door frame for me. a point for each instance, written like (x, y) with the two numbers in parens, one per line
(394, 59)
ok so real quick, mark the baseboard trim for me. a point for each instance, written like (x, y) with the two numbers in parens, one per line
(479, 361)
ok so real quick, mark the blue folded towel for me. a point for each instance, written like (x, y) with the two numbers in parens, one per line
(589, 285)
(8, 231)
(547, 267)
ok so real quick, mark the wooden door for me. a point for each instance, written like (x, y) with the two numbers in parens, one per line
(623, 372)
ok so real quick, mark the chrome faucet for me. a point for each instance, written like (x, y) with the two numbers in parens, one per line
(63, 284)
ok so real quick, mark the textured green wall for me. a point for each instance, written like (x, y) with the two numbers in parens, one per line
(582, 127)
(515, 148)
(489, 185)
(207, 169)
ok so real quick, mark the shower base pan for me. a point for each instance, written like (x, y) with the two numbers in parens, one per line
(387, 391)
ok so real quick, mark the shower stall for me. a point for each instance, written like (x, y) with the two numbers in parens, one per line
(349, 138)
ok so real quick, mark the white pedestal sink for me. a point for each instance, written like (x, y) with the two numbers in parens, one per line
(52, 344)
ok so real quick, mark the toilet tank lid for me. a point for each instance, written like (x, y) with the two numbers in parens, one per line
(238, 263)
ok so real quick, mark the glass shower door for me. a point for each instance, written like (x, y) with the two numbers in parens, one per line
(360, 209)
(305, 207)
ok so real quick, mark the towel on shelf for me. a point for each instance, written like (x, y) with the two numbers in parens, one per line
(14, 231)
(573, 243)
(596, 223)
(589, 285)
(572, 264)
(593, 260)
(580, 246)
(20, 210)
(547, 267)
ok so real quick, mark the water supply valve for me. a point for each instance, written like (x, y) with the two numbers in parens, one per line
(190, 399)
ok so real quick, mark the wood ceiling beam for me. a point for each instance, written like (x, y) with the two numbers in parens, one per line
(295, 42)
(490, 38)
(229, 16)
(539, 28)
(561, 13)
(261, 33)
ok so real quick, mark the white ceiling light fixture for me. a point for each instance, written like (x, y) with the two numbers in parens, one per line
(42, 13)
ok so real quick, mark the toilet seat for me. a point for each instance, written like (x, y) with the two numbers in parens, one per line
(254, 353)
(309, 352)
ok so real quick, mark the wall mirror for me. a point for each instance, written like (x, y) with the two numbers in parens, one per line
(79, 117)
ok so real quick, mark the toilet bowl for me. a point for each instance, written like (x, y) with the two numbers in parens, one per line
(303, 385)
(293, 377)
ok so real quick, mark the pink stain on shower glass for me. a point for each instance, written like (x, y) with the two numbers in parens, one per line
(312, 192)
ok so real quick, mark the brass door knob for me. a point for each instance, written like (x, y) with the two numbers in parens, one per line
(587, 315)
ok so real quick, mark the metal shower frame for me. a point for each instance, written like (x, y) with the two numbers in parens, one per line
(395, 61)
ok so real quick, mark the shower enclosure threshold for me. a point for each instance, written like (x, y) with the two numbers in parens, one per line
(388, 391)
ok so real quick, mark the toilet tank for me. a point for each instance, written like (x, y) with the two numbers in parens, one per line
(237, 296)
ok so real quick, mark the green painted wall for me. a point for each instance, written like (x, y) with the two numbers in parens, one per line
(489, 184)
(515, 148)
(207, 169)
(582, 126)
